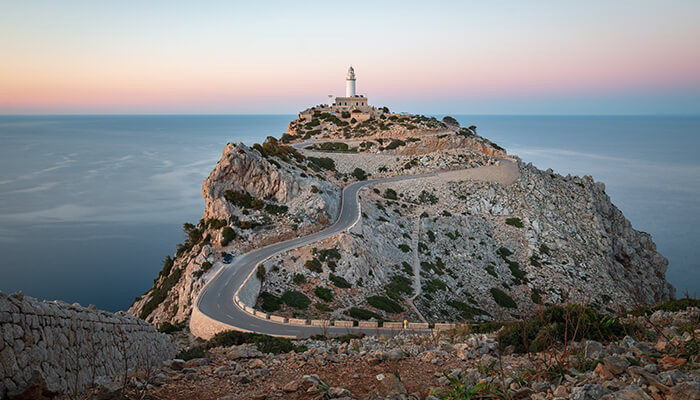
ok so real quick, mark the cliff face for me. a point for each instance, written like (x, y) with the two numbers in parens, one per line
(245, 169)
(253, 197)
(487, 238)
(480, 249)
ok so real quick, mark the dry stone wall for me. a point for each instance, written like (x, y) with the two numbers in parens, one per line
(70, 347)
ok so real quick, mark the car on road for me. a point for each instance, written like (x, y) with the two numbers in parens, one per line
(228, 258)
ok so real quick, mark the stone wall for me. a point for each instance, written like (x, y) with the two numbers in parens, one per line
(69, 346)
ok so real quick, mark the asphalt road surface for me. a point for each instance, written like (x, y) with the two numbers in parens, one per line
(216, 300)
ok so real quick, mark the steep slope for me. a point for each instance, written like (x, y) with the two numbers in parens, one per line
(490, 239)
(254, 197)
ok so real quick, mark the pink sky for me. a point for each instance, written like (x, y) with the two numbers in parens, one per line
(132, 58)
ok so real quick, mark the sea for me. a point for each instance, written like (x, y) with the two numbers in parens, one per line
(90, 205)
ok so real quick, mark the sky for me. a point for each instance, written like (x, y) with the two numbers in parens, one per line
(462, 57)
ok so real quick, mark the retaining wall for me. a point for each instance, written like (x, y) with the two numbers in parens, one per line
(69, 346)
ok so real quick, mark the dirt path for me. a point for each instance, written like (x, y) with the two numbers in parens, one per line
(416, 269)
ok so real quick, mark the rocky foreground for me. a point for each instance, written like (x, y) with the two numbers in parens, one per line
(660, 363)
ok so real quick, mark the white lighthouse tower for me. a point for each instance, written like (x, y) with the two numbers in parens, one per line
(350, 83)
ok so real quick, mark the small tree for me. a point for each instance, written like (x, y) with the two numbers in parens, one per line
(261, 273)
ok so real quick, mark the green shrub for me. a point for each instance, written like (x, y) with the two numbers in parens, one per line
(192, 353)
(296, 299)
(227, 235)
(390, 194)
(264, 343)
(431, 236)
(269, 302)
(160, 292)
(363, 314)
(299, 278)
(323, 293)
(168, 263)
(394, 144)
(405, 248)
(323, 307)
(276, 209)
(359, 174)
(261, 273)
(339, 281)
(329, 254)
(516, 222)
(333, 146)
(434, 285)
(345, 114)
(314, 189)
(491, 271)
(243, 199)
(519, 276)
(450, 121)
(502, 299)
(167, 327)
(504, 253)
(426, 197)
(272, 147)
(384, 304)
(407, 268)
(465, 310)
(558, 323)
(535, 296)
(206, 266)
(314, 265)
(318, 163)
(214, 223)
(398, 286)
(544, 249)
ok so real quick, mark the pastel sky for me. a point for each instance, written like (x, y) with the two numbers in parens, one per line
(461, 57)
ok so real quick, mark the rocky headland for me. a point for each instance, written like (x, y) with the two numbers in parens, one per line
(488, 241)
(534, 284)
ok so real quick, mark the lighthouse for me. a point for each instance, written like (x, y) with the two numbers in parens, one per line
(350, 83)
(351, 101)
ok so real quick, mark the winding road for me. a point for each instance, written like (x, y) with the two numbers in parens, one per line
(216, 300)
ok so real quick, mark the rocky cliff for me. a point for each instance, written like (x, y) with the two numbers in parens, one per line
(254, 196)
(489, 237)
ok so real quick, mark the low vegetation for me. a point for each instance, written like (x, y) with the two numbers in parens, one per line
(502, 298)
(384, 304)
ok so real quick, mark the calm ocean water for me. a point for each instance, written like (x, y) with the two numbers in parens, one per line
(90, 205)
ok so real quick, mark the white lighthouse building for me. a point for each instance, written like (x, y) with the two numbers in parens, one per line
(352, 107)
(350, 83)
(351, 100)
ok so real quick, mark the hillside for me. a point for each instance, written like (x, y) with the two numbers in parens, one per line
(487, 241)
